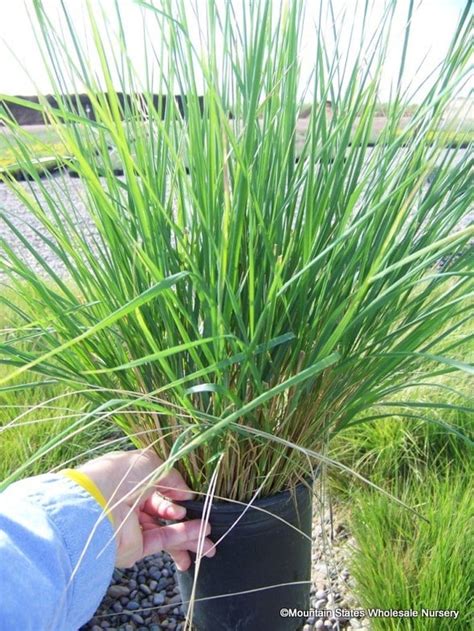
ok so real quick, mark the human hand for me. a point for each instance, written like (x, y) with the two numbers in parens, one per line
(124, 480)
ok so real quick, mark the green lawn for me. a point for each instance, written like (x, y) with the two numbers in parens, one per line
(42, 143)
(406, 563)
(401, 560)
(31, 415)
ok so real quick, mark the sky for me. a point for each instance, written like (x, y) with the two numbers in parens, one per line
(433, 26)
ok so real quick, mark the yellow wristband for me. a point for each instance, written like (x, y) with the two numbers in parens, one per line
(84, 480)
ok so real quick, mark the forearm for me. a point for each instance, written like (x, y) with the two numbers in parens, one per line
(57, 553)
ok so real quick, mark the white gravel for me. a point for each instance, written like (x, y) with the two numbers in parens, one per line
(70, 191)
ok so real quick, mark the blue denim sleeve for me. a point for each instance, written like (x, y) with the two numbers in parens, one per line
(57, 554)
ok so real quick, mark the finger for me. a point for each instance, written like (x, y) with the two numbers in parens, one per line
(145, 518)
(172, 536)
(208, 548)
(151, 526)
(174, 487)
(147, 522)
(157, 506)
(181, 559)
(171, 484)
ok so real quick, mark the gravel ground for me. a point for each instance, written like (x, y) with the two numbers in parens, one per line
(146, 597)
(70, 190)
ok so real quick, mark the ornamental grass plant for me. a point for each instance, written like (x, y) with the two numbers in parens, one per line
(233, 301)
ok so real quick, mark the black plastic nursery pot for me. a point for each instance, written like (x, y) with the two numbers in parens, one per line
(261, 551)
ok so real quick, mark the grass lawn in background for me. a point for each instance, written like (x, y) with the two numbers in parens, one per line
(32, 415)
(22, 438)
(406, 563)
(43, 134)
(43, 142)
(401, 561)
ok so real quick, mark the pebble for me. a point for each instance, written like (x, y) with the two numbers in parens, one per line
(166, 608)
(158, 599)
(116, 591)
(321, 594)
(174, 600)
(133, 605)
(319, 624)
(321, 604)
(136, 617)
(145, 589)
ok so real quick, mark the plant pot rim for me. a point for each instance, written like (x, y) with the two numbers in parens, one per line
(226, 506)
